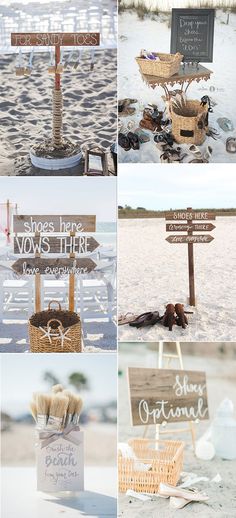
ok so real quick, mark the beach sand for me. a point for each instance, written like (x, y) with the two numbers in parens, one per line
(26, 109)
(220, 373)
(18, 445)
(153, 273)
(153, 33)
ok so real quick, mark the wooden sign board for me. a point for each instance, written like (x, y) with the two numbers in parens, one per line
(192, 34)
(200, 238)
(59, 266)
(189, 215)
(165, 395)
(54, 245)
(50, 39)
(189, 227)
(60, 224)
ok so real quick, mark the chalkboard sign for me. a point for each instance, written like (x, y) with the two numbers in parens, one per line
(192, 34)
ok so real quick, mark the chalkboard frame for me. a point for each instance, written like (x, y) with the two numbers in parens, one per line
(176, 13)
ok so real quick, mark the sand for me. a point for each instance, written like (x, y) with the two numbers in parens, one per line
(220, 384)
(26, 109)
(153, 273)
(153, 33)
(18, 445)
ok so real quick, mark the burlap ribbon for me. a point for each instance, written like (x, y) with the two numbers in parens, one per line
(47, 437)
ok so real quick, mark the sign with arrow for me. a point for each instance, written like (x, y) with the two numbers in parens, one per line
(59, 266)
(189, 227)
(54, 244)
(201, 238)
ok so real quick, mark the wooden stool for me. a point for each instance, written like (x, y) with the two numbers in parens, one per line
(96, 151)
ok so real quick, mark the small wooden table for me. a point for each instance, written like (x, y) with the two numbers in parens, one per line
(186, 75)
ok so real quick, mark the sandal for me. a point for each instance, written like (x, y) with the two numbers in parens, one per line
(146, 319)
(134, 140)
(127, 318)
(231, 145)
(142, 135)
(124, 142)
(225, 124)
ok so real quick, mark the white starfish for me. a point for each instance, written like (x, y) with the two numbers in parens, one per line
(47, 333)
(63, 335)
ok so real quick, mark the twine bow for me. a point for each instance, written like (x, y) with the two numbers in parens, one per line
(47, 437)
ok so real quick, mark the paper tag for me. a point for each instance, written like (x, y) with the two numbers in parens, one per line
(60, 465)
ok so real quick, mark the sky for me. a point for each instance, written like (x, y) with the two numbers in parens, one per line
(21, 375)
(177, 186)
(37, 195)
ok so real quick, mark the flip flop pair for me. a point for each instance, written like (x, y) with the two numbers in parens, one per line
(150, 318)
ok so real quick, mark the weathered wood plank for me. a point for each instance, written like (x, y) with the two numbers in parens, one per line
(27, 245)
(189, 215)
(200, 238)
(45, 39)
(189, 227)
(166, 395)
(59, 266)
(53, 223)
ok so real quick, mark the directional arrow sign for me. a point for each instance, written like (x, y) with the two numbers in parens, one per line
(189, 227)
(189, 215)
(202, 238)
(53, 266)
(54, 244)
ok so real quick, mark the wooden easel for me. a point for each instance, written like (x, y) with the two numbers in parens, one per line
(161, 365)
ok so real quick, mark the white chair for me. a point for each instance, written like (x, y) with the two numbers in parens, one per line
(53, 289)
(16, 295)
(95, 296)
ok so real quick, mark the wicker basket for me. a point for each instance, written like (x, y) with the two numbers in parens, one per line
(189, 127)
(55, 331)
(164, 465)
(166, 66)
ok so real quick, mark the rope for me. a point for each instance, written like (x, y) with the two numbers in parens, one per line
(57, 117)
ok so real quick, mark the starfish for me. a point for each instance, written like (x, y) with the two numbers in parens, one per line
(63, 335)
(47, 333)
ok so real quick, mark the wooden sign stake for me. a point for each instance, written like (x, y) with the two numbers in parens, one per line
(72, 283)
(37, 284)
(201, 225)
(192, 300)
(57, 40)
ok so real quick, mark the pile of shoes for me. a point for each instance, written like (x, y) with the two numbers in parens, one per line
(152, 119)
(129, 138)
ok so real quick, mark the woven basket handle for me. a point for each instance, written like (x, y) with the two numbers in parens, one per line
(54, 302)
(54, 320)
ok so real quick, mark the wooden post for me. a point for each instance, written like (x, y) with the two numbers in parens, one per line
(37, 285)
(57, 102)
(72, 284)
(192, 301)
(8, 221)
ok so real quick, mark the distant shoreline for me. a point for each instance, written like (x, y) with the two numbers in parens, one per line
(151, 214)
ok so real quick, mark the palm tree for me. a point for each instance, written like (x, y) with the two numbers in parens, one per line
(79, 381)
(50, 378)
